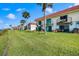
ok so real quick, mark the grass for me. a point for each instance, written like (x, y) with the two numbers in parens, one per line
(22, 43)
(3, 42)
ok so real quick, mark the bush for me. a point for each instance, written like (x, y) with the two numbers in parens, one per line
(0, 33)
(75, 30)
(3, 32)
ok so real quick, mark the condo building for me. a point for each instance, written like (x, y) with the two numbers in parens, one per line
(65, 20)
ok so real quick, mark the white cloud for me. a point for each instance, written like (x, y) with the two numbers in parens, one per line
(76, 4)
(70, 6)
(1, 22)
(49, 10)
(5, 9)
(20, 9)
(11, 16)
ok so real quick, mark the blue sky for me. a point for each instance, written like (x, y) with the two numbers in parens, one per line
(11, 13)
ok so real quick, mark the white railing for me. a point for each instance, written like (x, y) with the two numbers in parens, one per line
(69, 19)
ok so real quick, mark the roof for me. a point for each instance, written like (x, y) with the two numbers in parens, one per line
(32, 24)
(66, 11)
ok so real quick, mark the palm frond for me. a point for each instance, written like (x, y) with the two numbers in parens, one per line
(44, 6)
(22, 21)
(39, 3)
(26, 14)
(50, 5)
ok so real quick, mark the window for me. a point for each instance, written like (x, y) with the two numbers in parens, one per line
(64, 18)
(39, 22)
(77, 22)
(48, 22)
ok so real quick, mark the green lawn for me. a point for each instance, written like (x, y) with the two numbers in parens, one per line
(22, 43)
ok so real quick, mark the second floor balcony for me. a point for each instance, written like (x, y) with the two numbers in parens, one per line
(68, 20)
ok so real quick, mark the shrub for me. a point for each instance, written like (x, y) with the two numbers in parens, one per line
(5, 30)
(0, 33)
(75, 30)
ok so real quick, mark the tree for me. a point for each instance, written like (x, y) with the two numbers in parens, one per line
(26, 14)
(10, 26)
(22, 22)
(44, 6)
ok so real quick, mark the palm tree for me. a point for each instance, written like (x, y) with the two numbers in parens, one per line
(26, 14)
(10, 25)
(44, 6)
(22, 22)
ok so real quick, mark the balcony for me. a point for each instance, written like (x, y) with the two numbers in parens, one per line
(64, 21)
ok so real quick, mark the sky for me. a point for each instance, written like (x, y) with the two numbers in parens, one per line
(11, 13)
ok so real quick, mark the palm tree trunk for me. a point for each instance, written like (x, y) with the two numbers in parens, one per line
(23, 27)
(26, 25)
(45, 23)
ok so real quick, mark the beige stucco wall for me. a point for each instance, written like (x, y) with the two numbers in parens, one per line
(33, 27)
(54, 22)
(74, 16)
